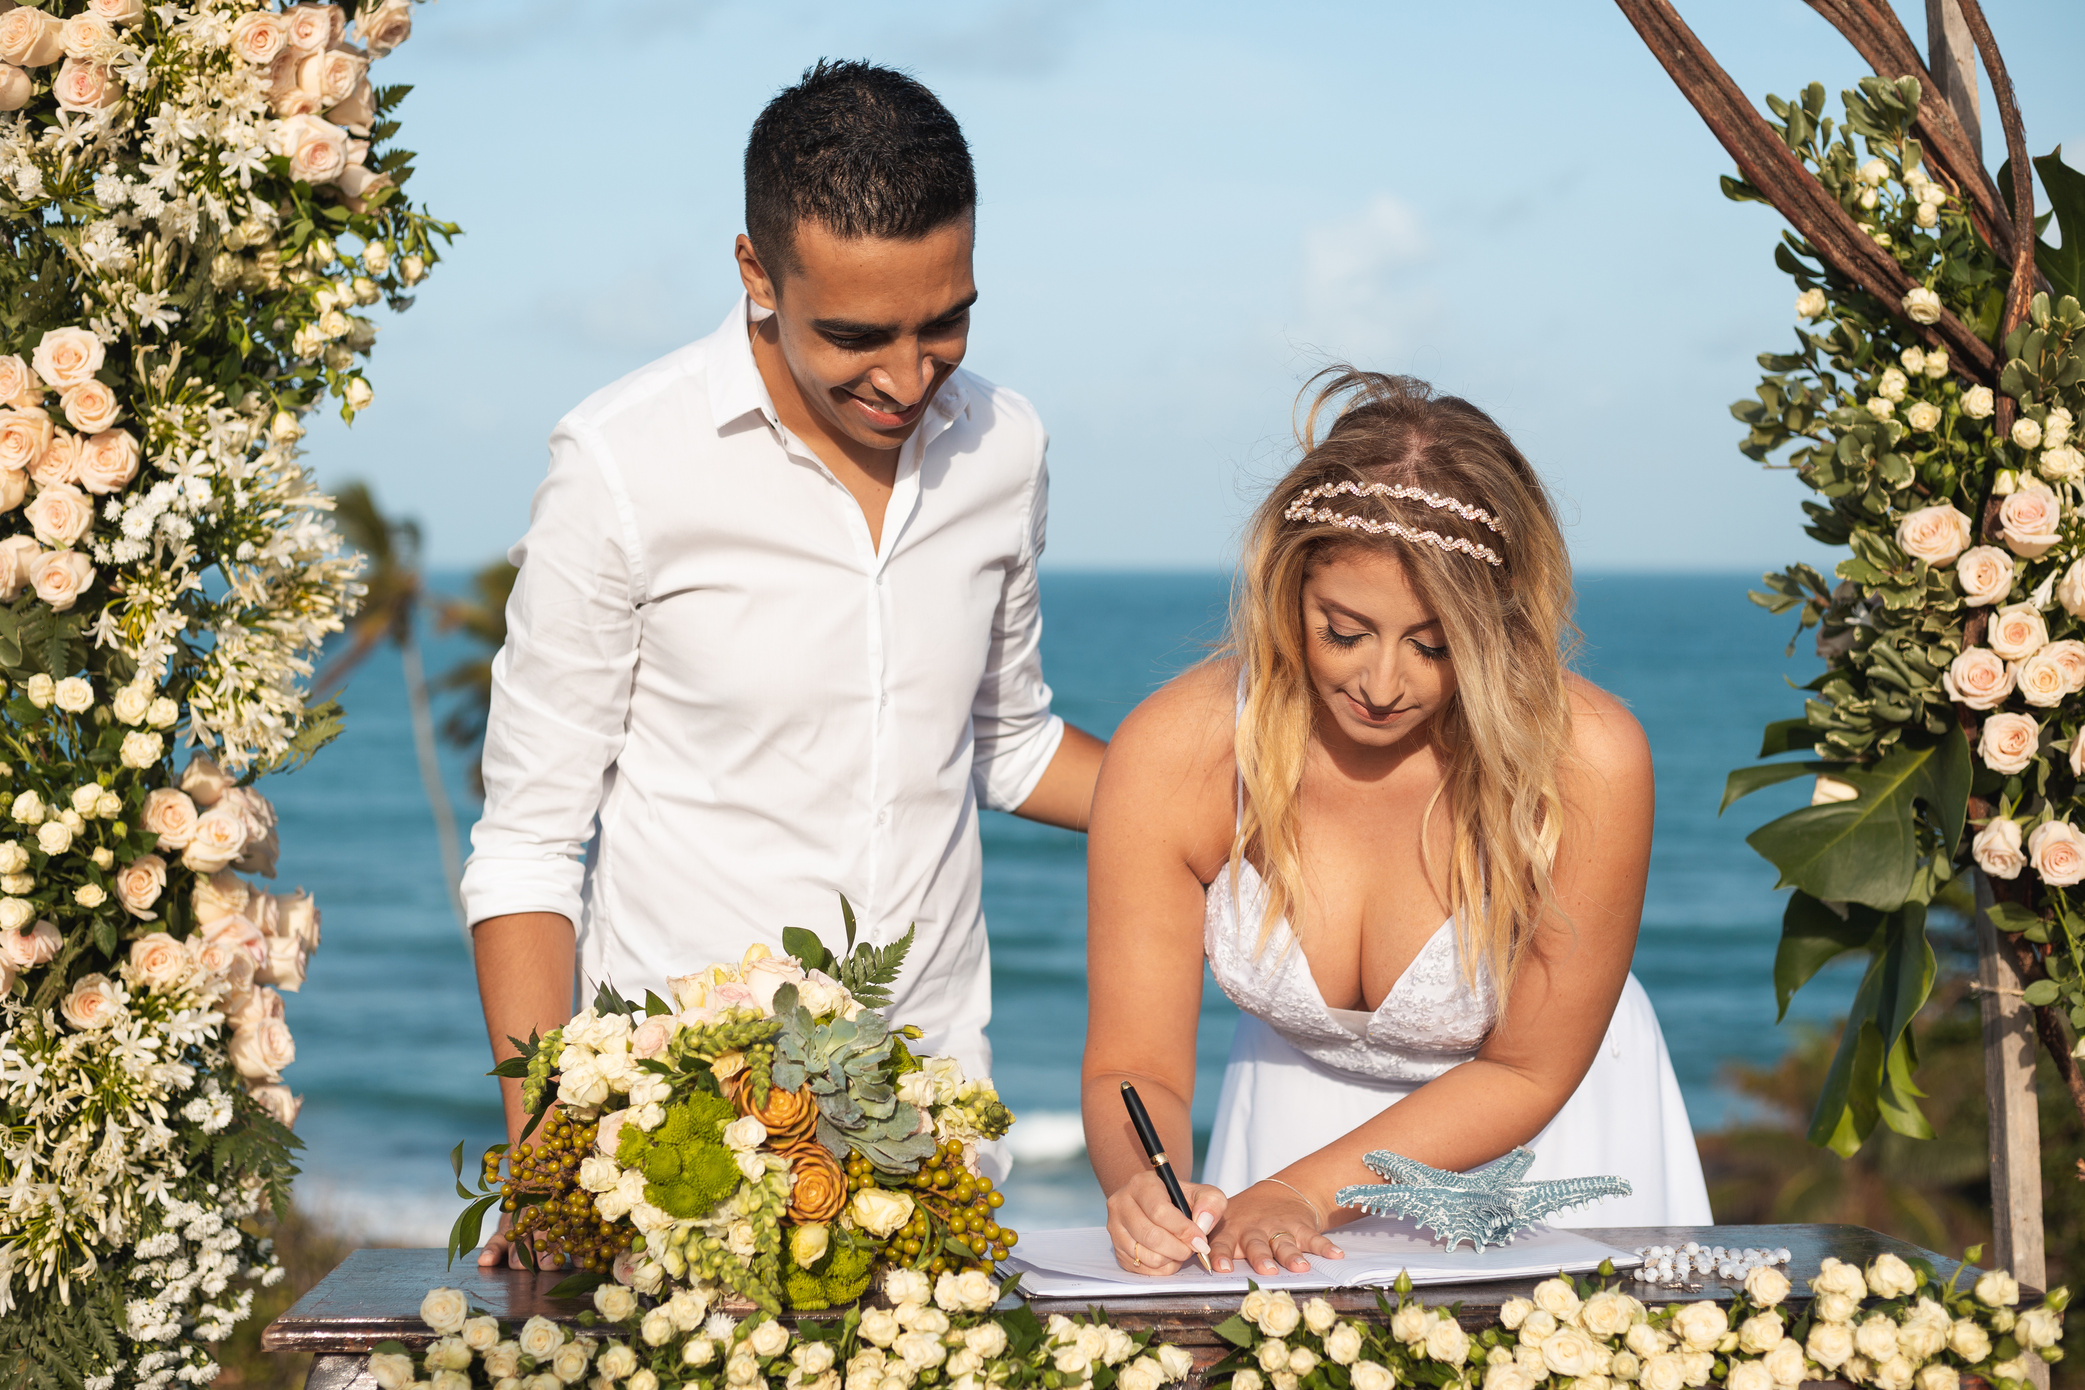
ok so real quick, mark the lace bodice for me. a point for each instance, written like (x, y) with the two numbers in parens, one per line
(1430, 1020)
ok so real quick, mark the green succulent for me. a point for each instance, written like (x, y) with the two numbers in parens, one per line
(848, 1066)
(687, 1170)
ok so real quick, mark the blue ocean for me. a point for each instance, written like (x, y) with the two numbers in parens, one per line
(391, 1048)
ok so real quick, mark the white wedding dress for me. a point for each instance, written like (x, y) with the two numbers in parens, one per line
(1303, 1074)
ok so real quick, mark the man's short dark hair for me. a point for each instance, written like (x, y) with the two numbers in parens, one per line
(866, 151)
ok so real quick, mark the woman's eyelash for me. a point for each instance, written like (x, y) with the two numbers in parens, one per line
(1340, 639)
(1430, 653)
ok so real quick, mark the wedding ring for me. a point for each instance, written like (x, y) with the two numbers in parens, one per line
(1281, 1235)
(1136, 1254)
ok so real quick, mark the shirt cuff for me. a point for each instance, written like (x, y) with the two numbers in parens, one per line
(1009, 777)
(497, 887)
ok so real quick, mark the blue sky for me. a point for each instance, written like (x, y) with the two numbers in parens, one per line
(1185, 211)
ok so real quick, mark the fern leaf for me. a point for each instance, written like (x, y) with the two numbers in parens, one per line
(870, 971)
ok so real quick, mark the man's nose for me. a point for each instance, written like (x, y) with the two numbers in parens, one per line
(890, 378)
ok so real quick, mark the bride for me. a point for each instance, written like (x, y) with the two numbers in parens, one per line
(1409, 842)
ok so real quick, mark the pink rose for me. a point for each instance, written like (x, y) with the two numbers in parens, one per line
(1934, 534)
(60, 462)
(220, 837)
(2069, 655)
(2018, 632)
(2041, 680)
(88, 36)
(60, 577)
(1978, 679)
(330, 77)
(276, 1099)
(92, 1003)
(15, 379)
(2058, 852)
(228, 961)
(261, 1051)
(356, 184)
(2008, 742)
(159, 961)
(384, 26)
(25, 948)
(2030, 520)
(313, 27)
(25, 431)
(139, 885)
(108, 460)
(608, 1131)
(204, 780)
(235, 930)
(259, 37)
(357, 110)
(317, 148)
(60, 515)
(67, 356)
(1985, 574)
(31, 38)
(651, 1036)
(119, 11)
(16, 553)
(15, 91)
(169, 814)
(90, 406)
(13, 488)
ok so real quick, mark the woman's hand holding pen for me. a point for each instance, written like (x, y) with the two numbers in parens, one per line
(1150, 1234)
(1271, 1228)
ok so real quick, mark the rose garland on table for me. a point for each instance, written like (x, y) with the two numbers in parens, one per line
(1947, 721)
(943, 1331)
(196, 201)
(772, 1136)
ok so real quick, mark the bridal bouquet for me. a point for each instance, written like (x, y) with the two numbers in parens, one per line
(768, 1133)
(199, 204)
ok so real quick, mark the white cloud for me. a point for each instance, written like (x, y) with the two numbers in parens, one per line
(1365, 293)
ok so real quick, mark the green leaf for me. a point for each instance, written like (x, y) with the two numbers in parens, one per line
(808, 948)
(653, 1007)
(2041, 993)
(1236, 1330)
(1899, 979)
(1747, 780)
(2011, 917)
(870, 971)
(1812, 936)
(1866, 850)
(463, 1236)
(607, 1001)
(516, 1067)
(847, 917)
(578, 1285)
(2065, 264)
(1787, 735)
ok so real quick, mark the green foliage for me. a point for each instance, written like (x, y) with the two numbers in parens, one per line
(835, 1279)
(844, 1063)
(51, 1344)
(867, 971)
(687, 1169)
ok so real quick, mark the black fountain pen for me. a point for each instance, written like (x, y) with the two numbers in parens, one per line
(1148, 1137)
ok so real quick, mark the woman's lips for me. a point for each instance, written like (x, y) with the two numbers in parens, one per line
(1366, 712)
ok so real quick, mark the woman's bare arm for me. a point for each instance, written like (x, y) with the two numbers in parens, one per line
(1162, 808)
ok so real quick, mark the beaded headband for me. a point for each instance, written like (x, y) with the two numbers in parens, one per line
(1301, 510)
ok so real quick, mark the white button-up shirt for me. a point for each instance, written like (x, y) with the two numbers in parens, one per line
(719, 707)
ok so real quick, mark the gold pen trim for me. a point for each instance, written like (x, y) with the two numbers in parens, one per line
(1159, 1160)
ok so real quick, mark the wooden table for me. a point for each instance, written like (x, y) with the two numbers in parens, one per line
(374, 1295)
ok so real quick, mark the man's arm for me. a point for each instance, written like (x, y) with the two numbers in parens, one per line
(1064, 796)
(525, 980)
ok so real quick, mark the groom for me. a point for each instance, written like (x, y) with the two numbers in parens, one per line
(775, 634)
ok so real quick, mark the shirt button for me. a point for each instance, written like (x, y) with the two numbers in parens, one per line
(883, 817)
(883, 700)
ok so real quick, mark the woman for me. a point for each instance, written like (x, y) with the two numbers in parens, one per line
(1409, 842)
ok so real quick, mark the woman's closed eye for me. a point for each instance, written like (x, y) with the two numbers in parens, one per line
(1343, 640)
(1430, 653)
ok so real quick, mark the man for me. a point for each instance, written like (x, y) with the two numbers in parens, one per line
(775, 633)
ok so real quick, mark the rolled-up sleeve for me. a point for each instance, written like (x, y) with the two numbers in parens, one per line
(560, 686)
(1014, 732)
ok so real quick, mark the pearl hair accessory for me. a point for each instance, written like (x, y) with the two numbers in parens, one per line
(1670, 1265)
(1302, 510)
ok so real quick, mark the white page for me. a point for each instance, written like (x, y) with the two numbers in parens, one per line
(1080, 1262)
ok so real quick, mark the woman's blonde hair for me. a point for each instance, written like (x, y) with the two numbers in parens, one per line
(1503, 737)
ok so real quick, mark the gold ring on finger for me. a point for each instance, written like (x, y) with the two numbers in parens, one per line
(1136, 1254)
(1279, 1235)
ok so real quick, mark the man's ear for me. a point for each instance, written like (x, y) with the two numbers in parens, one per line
(761, 287)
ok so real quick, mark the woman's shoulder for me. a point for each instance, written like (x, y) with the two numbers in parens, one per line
(1605, 736)
(1172, 761)
(1189, 716)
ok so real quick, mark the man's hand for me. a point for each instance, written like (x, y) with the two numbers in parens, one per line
(1064, 796)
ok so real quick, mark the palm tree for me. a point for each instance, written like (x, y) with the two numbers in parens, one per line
(389, 614)
(483, 619)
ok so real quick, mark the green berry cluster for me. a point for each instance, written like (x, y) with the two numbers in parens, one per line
(953, 1211)
(551, 1211)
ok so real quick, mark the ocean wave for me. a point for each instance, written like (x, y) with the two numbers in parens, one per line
(1047, 1136)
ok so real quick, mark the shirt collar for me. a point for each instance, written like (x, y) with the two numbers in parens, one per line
(736, 389)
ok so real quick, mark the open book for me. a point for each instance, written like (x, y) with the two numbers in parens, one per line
(1079, 1263)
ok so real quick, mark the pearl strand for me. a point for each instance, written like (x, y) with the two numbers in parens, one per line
(1670, 1265)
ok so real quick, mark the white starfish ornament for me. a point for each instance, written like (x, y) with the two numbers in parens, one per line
(1485, 1206)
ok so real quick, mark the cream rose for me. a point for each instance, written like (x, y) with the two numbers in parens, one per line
(383, 27)
(2017, 632)
(1978, 403)
(2057, 851)
(1934, 534)
(1921, 305)
(1786, 1364)
(15, 91)
(357, 110)
(85, 87)
(2030, 520)
(1889, 1277)
(67, 356)
(1762, 1332)
(1608, 1313)
(91, 1004)
(169, 814)
(220, 837)
(1748, 1375)
(1570, 1352)
(1700, 1326)
(31, 38)
(330, 77)
(13, 488)
(298, 917)
(260, 1051)
(880, 1211)
(108, 461)
(118, 11)
(25, 431)
(15, 379)
(139, 885)
(317, 149)
(1829, 1344)
(2008, 742)
(1996, 848)
(312, 27)
(259, 37)
(60, 462)
(60, 577)
(204, 780)
(60, 515)
(2042, 680)
(2027, 434)
(16, 555)
(1922, 415)
(31, 944)
(1986, 575)
(159, 961)
(1663, 1371)
(1978, 678)
(1446, 1341)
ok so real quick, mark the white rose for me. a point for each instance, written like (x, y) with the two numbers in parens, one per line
(1879, 407)
(1913, 358)
(880, 1211)
(744, 1134)
(1986, 575)
(1556, 1298)
(163, 713)
(220, 836)
(358, 393)
(614, 1302)
(142, 750)
(17, 553)
(1936, 364)
(569, 1362)
(1921, 305)
(1409, 1323)
(540, 1338)
(1978, 403)
(1787, 1364)
(74, 694)
(204, 781)
(391, 1370)
(2027, 433)
(1968, 1340)
(159, 961)
(1938, 1377)
(1281, 1316)
(108, 461)
(1369, 1375)
(1748, 1375)
(1926, 215)
(130, 704)
(2043, 679)
(2038, 1327)
(1343, 1344)
(1569, 1352)
(286, 964)
(60, 515)
(1876, 1337)
(1922, 415)
(1663, 1371)
(2062, 465)
(169, 814)
(316, 148)
(1829, 1344)
(59, 577)
(1446, 1341)
(2017, 632)
(54, 837)
(2008, 743)
(444, 1310)
(91, 1004)
(1893, 384)
(1766, 1285)
(1934, 534)
(1810, 304)
(261, 1051)
(90, 406)
(140, 884)
(1701, 1325)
